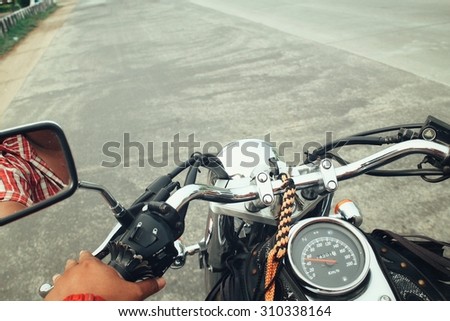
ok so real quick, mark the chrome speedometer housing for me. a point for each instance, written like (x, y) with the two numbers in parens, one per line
(329, 256)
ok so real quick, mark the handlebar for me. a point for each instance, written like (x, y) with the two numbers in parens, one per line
(329, 177)
(145, 244)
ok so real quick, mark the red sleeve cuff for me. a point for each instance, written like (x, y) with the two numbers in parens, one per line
(83, 297)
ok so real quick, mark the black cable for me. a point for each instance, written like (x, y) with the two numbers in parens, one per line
(208, 161)
(364, 138)
(429, 160)
(354, 140)
(191, 177)
(180, 168)
(213, 163)
(405, 173)
(436, 180)
(393, 173)
(388, 129)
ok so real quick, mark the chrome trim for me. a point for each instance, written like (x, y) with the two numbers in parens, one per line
(390, 154)
(312, 286)
(212, 194)
(248, 191)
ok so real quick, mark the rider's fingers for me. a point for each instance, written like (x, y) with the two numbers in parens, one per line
(70, 263)
(55, 278)
(150, 286)
(85, 255)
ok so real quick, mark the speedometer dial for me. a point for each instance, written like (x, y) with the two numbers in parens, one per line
(329, 255)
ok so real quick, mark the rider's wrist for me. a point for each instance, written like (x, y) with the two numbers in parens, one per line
(83, 297)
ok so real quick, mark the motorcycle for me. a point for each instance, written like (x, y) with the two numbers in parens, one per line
(271, 233)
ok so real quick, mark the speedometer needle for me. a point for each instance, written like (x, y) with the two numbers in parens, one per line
(318, 260)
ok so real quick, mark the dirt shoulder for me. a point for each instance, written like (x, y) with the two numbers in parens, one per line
(19, 62)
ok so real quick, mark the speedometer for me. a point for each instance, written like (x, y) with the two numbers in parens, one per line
(329, 256)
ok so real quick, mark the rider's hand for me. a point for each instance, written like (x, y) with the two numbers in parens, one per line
(90, 275)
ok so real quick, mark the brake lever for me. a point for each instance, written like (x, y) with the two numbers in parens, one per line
(100, 252)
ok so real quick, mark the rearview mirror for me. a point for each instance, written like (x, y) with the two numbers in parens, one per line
(36, 169)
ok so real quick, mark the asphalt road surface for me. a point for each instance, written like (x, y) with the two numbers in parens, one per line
(154, 72)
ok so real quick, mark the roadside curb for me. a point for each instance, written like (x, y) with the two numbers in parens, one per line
(20, 61)
(9, 21)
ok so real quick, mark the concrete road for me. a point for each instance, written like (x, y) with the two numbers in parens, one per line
(410, 35)
(151, 72)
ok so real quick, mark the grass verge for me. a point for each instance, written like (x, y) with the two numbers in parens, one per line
(6, 8)
(22, 28)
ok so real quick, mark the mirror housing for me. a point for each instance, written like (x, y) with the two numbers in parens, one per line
(9, 157)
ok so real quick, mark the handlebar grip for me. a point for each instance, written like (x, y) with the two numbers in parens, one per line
(146, 249)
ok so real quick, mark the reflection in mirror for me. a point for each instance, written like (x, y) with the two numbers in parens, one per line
(33, 168)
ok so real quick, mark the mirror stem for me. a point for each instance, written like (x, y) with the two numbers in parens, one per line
(118, 210)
